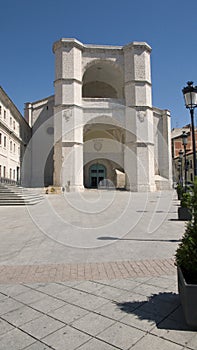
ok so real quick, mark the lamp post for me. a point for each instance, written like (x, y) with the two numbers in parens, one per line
(190, 96)
(181, 169)
(184, 143)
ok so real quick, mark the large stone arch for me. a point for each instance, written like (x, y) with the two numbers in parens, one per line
(103, 144)
(102, 79)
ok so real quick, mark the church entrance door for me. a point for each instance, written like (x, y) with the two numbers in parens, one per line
(97, 174)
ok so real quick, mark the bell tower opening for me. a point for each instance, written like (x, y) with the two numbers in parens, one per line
(103, 79)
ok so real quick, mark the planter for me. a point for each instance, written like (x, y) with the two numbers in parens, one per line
(188, 297)
(184, 214)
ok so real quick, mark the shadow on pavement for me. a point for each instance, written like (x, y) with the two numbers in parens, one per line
(110, 238)
(163, 309)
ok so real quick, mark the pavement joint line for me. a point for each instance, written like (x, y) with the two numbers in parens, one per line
(101, 340)
(96, 336)
(184, 347)
(88, 271)
(95, 311)
(18, 327)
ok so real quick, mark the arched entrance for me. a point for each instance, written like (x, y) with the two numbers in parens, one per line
(97, 174)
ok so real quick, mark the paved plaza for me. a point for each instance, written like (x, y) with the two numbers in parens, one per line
(93, 270)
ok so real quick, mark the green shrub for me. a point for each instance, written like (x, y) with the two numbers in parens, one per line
(186, 200)
(186, 254)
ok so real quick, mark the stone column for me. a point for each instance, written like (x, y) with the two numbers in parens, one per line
(68, 115)
(139, 143)
(28, 113)
(165, 148)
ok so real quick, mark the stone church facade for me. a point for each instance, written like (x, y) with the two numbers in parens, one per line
(100, 128)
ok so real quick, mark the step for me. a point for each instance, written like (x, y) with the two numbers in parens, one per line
(12, 195)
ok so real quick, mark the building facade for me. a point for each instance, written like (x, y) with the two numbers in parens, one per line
(100, 128)
(15, 134)
(179, 164)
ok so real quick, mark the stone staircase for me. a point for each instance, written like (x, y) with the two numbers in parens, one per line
(13, 195)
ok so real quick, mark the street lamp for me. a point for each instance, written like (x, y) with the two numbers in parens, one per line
(184, 143)
(181, 169)
(190, 96)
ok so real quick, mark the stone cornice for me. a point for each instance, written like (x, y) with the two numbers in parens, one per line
(138, 45)
(140, 143)
(141, 108)
(72, 42)
(102, 48)
(10, 132)
(70, 143)
(138, 82)
(10, 105)
(67, 81)
(67, 42)
(66, 106)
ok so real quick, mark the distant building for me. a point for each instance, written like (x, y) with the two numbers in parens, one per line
(178, 166)
(100, 126)
(15, 134)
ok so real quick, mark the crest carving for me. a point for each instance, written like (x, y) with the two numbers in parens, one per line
(98, 145)
(67, 114)
(141, 116)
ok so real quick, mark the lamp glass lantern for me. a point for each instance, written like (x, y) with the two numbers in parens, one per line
(190, 95)
(184, 138)
(181, 154)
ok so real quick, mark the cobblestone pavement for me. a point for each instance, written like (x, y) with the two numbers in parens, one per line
(88, 299)
(90, 271)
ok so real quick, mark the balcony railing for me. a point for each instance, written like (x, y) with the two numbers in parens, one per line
(5, 180)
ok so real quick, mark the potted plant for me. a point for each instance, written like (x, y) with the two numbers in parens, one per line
(185, 211)
(186, 261)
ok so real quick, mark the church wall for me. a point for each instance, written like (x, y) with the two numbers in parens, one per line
(146, 146)
(41, 144)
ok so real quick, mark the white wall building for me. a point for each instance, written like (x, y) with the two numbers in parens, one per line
(100, 126)
(14, 136)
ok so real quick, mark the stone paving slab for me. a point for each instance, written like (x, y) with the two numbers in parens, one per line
(131, 320)
(42, 326)
(66, 338)
(153, 343)
(15, 340)
(121, 336)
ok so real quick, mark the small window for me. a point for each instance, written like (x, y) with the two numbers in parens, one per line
(10, 173)
(14, 148)
(11, 121)
(14, 174)
(0, 110)
(0, 170)
(14, 125)
(4, 115)
(190, 164)
(4, 171)
(4, 141)
(0, 138)
(11, 146)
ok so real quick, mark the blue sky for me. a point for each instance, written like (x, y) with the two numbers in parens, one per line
(29, 28)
